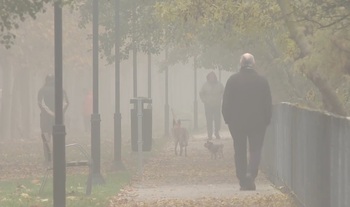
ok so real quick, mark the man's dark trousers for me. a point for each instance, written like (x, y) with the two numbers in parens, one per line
(213, 116)
(255, 138)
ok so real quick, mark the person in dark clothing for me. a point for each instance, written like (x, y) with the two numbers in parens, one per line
(46, 102)
(211, 95)
(246, 109)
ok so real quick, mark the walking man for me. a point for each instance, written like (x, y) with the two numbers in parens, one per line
(211, 95)
(46, 102)
(246, 109)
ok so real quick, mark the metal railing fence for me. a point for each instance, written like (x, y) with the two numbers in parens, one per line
(309, 152)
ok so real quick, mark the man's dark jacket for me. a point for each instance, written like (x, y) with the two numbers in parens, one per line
(247, 100)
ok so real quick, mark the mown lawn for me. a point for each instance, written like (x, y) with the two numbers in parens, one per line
(22, 172)
(25, 192)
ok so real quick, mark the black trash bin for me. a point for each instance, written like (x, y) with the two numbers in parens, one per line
(146, 125)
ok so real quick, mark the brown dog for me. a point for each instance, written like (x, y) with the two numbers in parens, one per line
(181, 136)
(217, 150)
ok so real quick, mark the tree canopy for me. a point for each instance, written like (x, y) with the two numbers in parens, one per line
(300, 39)
(14, 12)
(309, 37)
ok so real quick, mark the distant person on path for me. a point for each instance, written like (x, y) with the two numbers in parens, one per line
(46, 102)
(211, 95)
(246, 109)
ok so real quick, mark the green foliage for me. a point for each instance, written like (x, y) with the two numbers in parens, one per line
(323, 14)
(221, 29)
(25, 192)
(14, 12)
(215, 32)
(138, 25)
(325, 24)
(227, 28)
(210, 30)
(34, 43)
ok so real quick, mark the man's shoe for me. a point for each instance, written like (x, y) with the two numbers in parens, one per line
(248, 184)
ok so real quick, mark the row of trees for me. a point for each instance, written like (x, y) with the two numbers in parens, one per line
(28, 56)
(306, 42)
(302, 45)
(306, 37)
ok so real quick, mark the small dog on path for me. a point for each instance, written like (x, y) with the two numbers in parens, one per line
(216, 150)
(181, 136)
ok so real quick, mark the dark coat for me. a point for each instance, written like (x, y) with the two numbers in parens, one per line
(46, 102)
(247, 100)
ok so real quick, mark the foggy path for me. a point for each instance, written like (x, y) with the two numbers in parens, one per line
(196, 180)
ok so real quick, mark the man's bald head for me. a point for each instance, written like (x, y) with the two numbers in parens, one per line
(247, 60)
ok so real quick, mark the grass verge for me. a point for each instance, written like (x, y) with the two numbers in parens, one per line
(25, 192)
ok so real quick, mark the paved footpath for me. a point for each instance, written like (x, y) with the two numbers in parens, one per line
(196, 180)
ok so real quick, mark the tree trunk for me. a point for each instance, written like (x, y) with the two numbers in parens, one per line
(25, 103)
(342, 43)
(5, 117)
(16, 131)
(331, 101)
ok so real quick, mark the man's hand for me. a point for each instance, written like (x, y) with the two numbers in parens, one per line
(44, 107)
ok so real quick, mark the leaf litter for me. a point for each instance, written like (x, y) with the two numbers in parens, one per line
(196, 180)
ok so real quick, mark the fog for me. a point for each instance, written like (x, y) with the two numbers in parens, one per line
(24, 66)
(181, 95)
